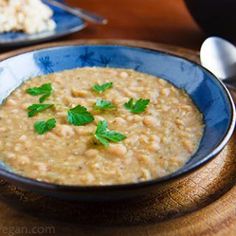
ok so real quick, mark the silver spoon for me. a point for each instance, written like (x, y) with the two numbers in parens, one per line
(84, 14)
(219, 57)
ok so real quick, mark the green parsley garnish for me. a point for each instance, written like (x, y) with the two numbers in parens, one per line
(101, 88)
(45, 90)
(36, 108)
(42, 127)
(138, 106)
(104, 135)
(103, 105)
(79, 116)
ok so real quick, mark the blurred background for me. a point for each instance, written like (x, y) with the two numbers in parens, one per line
(174, 22)
(184, 23)
(166, 21)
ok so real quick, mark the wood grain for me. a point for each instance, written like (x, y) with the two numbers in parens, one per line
(202, 203)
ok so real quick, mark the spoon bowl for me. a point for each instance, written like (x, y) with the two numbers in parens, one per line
(219, 56)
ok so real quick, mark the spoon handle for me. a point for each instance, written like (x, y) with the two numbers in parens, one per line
(84, 14)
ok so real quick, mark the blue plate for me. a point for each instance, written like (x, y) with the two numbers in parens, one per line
(207, 92)
(66, 24)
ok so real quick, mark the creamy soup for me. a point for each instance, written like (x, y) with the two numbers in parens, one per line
(154, 137)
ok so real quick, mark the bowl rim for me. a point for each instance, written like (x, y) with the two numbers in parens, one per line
(14, 177)
(41, 38)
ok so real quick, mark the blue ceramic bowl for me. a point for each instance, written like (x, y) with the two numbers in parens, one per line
(66, 24)
(207, 92)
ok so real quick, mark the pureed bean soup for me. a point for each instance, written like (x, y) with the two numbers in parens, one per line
(98, 126)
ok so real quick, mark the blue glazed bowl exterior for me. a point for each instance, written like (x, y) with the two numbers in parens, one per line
(207, 92)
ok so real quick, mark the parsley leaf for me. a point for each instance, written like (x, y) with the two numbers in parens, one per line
(104, 135)
(42, 127)
(45, 90)
(36, 108)
(103, 105)
(79, 116)
(101, 88)
(138, 106)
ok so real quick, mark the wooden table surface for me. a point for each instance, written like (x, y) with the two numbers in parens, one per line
(163, 21)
